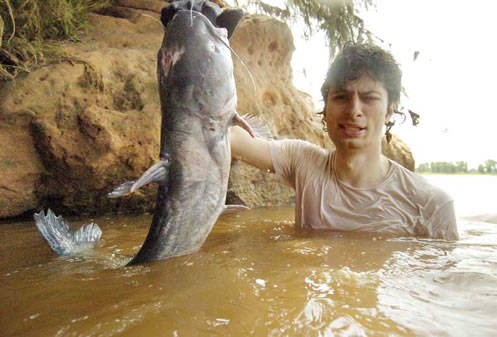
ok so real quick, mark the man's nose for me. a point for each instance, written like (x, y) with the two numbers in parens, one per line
(355, 106)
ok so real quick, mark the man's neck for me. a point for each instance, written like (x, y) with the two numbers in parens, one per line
(361, 168)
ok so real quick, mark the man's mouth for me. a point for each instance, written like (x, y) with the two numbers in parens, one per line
(351, 130)
(349, 127)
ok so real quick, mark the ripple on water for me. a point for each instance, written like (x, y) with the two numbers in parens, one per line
(258, 278)
(441, 290)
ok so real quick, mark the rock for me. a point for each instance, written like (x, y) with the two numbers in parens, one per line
(266, 46)
(21, 170)
(83, 125)
(399, 151)
(73, 130)
(151, 5)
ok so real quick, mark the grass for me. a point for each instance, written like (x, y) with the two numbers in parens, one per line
(33, 29)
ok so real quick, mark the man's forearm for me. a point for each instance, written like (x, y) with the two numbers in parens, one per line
(252, 150)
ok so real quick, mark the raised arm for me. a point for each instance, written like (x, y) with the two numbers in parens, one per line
(252, 150)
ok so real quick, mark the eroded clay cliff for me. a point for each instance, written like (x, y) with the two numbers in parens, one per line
(72, 130)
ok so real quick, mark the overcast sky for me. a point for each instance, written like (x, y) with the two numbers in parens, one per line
(452, 84)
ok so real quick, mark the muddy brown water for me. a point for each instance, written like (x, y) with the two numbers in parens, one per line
(255, 276)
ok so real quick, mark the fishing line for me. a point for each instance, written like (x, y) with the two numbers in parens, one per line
(244, 65)
(191, 14)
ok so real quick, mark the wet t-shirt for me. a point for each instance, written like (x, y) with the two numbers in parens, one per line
(404, 203)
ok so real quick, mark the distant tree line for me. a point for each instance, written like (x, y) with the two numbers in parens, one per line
(488, 167)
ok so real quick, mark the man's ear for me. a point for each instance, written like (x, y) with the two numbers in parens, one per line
(390, 111)
(229, 19)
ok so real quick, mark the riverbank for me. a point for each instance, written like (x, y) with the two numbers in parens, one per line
(457, 173)
(83, 124)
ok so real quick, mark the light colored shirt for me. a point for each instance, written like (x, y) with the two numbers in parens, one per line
(404, 203)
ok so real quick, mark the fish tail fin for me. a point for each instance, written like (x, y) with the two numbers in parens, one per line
(60, 236)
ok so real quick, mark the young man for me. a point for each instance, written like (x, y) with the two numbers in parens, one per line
(355, 187)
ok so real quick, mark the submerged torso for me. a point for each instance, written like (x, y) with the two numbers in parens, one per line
(402, 204)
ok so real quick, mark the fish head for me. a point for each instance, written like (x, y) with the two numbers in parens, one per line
(227, 18)
(195, 72)
(195, 55)
(197, 86)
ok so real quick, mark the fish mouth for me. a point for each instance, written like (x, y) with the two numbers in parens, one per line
(190, 15)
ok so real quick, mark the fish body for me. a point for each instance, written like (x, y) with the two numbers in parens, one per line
(198, 103)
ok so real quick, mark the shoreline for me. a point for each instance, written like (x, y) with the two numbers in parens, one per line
(457, 173)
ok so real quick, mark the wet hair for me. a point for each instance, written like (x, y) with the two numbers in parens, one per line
(356, 60)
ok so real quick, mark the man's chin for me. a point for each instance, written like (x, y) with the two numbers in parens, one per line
(349, 143)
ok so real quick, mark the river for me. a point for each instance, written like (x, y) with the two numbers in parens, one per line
(257, 276)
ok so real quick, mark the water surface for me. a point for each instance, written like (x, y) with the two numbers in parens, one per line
(255, 276)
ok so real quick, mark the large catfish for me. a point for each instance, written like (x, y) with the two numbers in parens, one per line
(198, 102)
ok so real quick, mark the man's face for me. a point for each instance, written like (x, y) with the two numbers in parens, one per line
(355, 114)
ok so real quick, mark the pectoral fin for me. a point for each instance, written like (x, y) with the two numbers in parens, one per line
(121, 190)
(157, 173)
(239, 121)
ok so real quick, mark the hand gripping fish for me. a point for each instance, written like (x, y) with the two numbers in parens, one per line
(198, 103)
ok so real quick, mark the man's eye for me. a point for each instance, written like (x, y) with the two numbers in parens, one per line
(339, 97)
(371, 98)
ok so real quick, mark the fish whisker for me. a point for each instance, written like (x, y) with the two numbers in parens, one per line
(234, 53)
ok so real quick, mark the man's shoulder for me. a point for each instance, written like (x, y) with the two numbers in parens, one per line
(419, 186)
(298, 142)
(299, 157)
(299, 147)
